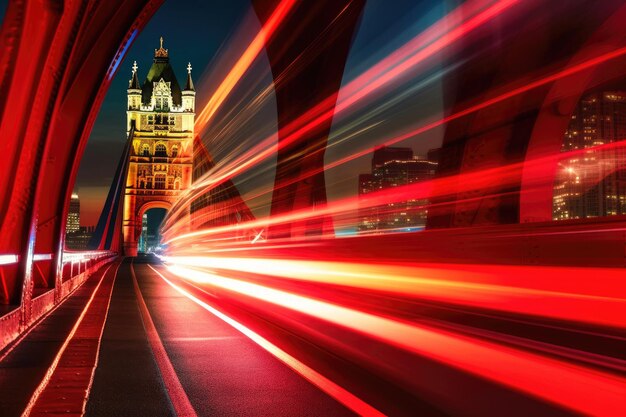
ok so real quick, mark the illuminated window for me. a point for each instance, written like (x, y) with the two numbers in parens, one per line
(159, 182)
(160, 150)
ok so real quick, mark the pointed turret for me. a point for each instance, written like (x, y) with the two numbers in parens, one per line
(134, 90)
(134, 82)
(189, 86)
(189, 93)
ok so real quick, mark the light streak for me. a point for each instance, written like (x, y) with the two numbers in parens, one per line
(337, 392)
(257, 237)
(8, 259)
(121, 54)
(484, 180)
(243, 63)
(440, 122)
(579, 389)
(565, 292)
(413, 53)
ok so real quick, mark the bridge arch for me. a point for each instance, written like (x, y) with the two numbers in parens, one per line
(133, 219)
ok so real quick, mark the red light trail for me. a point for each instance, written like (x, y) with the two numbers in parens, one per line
(243, 64)
(480, 180)
(511, 367)
(565, 293)
(255, 156)
(358, 293)
(346, 398)
(413, 53)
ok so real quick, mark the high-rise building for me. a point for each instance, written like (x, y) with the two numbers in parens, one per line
(72, 223)
(593, 182)
(393, 167)
(160, 127)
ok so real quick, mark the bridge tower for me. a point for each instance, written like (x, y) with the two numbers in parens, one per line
(160, 128)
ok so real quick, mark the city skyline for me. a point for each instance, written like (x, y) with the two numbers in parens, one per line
(395, 167)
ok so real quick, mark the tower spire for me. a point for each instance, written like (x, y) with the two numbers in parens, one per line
(189, 86)
(161, 52)
(134, 82)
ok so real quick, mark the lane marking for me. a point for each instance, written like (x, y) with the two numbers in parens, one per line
(337, 392)
(104, 323)
(175, 391)
(49, 373)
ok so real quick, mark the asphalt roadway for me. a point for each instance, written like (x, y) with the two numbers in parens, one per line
(220, 371)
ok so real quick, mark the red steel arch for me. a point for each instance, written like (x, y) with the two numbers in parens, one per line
(58, 59)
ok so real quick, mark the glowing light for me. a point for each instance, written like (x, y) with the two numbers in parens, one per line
(565, 292)
(8, 259)
(580, 389)
(337, 392)
(413, 53)
(244, 62)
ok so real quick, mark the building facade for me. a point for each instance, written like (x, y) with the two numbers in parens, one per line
(79, 240)
(73, 215)
(393, 167)
(592, 182)
(160, 124)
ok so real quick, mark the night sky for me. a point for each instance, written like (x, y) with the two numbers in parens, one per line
(198, 30)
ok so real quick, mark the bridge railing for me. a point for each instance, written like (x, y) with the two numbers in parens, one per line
(76, 267)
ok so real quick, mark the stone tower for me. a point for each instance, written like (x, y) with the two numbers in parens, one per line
(160, 127)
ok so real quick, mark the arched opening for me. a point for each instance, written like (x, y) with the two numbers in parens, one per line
(145, 150)
(174, 151)
(150, 237)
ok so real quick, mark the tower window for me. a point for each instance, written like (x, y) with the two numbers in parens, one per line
(174, 151)
(159, 182)
(160, 150)
(145, 150)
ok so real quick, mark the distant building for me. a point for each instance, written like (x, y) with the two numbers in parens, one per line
(393, 167)
(593, 183)
(79, 239)
(73, 216)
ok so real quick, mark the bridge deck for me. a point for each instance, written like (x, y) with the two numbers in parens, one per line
(136, 340)
(204, 367)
